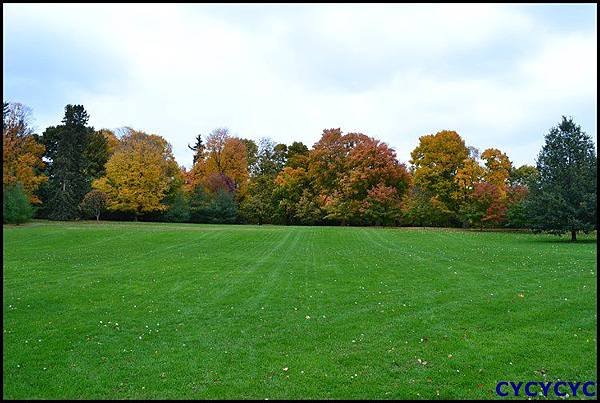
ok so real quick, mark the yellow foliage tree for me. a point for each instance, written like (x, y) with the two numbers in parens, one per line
(466, 177)
(111, 139)
(140, 174)
(436, 161)
(497, 169)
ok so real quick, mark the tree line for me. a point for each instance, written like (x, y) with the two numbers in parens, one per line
(72, 171)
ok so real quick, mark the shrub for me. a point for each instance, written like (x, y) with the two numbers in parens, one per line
(16, 208)
(94, 203)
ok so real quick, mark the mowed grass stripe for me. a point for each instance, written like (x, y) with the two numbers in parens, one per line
(215, 311)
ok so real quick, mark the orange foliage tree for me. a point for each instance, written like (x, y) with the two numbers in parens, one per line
(21, 153)
(223, 156)
(497, 169)
(350, 178)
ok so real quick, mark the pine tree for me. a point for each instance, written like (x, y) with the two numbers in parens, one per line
(563, 196)
(198, 148)
(76, 157)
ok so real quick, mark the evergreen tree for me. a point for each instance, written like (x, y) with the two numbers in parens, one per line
(200, 203)
(76, 156)
(198, 148)
(179, 211)
(223, 208)
(517, 216)
(16, 208)
(96, 153)
(563, 195)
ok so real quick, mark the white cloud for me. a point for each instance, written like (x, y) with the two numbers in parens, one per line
(496, 74)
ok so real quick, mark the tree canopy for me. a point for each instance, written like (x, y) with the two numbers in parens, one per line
(343, 179)
(563, 195)
(140, 174)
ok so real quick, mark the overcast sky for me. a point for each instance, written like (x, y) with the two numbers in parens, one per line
(500, 75)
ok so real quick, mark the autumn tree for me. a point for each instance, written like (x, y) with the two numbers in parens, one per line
(309, 210)
(485, 206)
(94, 203)
(327, 164)
(21, 153)
(294, 196)
(345, 178)
(497, 169)
(483, 190)
(563, 197)
(466, 179)
(435, 163)
(112, 141)
(382, 206)
(267, 163)
(520, 180)
(370, 184)
(326, 161)
(297, 153)
(223, 155)
(140, 175)
(216, 182)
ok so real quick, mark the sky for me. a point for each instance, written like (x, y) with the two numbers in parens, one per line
(499, 75)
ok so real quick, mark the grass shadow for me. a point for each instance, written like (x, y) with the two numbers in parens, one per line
(564, 240)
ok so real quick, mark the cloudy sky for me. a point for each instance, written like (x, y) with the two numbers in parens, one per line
(500, 75)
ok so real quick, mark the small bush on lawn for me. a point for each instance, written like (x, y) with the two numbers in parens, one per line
(16, 208)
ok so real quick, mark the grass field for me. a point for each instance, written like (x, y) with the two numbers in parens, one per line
(151, 310)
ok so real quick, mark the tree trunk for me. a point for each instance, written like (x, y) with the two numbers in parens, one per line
(573, 235)
(97, 217)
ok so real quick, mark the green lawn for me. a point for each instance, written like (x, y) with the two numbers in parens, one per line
(153, 310)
